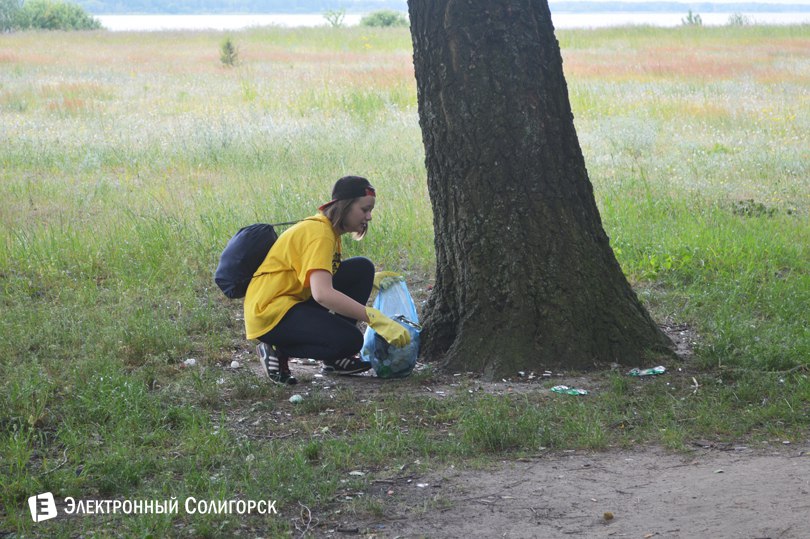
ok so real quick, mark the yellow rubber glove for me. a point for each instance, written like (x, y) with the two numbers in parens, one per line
(393, 333)
(382, 279)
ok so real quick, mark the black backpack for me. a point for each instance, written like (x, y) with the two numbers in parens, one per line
(242, 256)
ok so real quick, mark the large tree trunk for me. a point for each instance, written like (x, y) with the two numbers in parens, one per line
(525, 276)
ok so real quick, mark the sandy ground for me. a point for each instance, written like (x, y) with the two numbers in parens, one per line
(734, 493)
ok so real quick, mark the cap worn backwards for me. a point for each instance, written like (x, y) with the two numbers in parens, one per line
(349, 187)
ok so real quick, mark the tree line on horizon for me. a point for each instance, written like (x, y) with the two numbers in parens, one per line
(44, 15)
(365, 6)
(69, 15)
(238, 6)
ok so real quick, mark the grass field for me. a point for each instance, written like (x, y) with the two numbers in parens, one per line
(127, 160)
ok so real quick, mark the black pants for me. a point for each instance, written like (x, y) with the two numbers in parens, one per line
(309, 330)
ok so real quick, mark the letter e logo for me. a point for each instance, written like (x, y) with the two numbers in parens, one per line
(43, 506)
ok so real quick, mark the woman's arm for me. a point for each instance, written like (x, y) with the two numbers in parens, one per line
(320, 282)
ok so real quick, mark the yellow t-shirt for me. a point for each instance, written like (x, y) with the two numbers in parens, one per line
(282, 280)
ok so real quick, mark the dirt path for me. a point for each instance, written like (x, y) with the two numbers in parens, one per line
(732, 492)
(739, 493)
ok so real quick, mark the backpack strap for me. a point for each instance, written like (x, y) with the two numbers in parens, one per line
(287, 223)
(292, 222)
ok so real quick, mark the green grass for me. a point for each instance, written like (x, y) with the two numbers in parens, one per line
(127, 160)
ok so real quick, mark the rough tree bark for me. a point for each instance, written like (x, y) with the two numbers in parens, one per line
(525, 276)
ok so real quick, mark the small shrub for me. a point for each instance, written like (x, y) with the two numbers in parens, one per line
(752, 208)
(335, 17)
(692, 19)
(228, 53)
(385, 17)
(738, 19)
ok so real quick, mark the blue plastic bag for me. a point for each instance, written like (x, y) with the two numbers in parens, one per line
(394, 301)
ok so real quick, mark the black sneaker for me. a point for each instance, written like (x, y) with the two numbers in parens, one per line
(345, 366)
(275, 365)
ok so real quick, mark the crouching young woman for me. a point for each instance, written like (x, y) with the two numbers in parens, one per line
(304, 301)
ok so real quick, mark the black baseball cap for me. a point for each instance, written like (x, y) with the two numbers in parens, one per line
(349, 187)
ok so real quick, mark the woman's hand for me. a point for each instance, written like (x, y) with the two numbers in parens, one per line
(396, 334)
(382, 279)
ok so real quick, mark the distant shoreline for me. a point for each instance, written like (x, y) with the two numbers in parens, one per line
(561, 20)
(564, 6)
(574, 6)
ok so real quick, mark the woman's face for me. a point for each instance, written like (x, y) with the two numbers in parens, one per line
(359, 215)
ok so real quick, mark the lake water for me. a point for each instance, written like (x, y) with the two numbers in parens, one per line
(122, 23)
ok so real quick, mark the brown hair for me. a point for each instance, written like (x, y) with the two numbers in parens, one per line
(337, 212)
